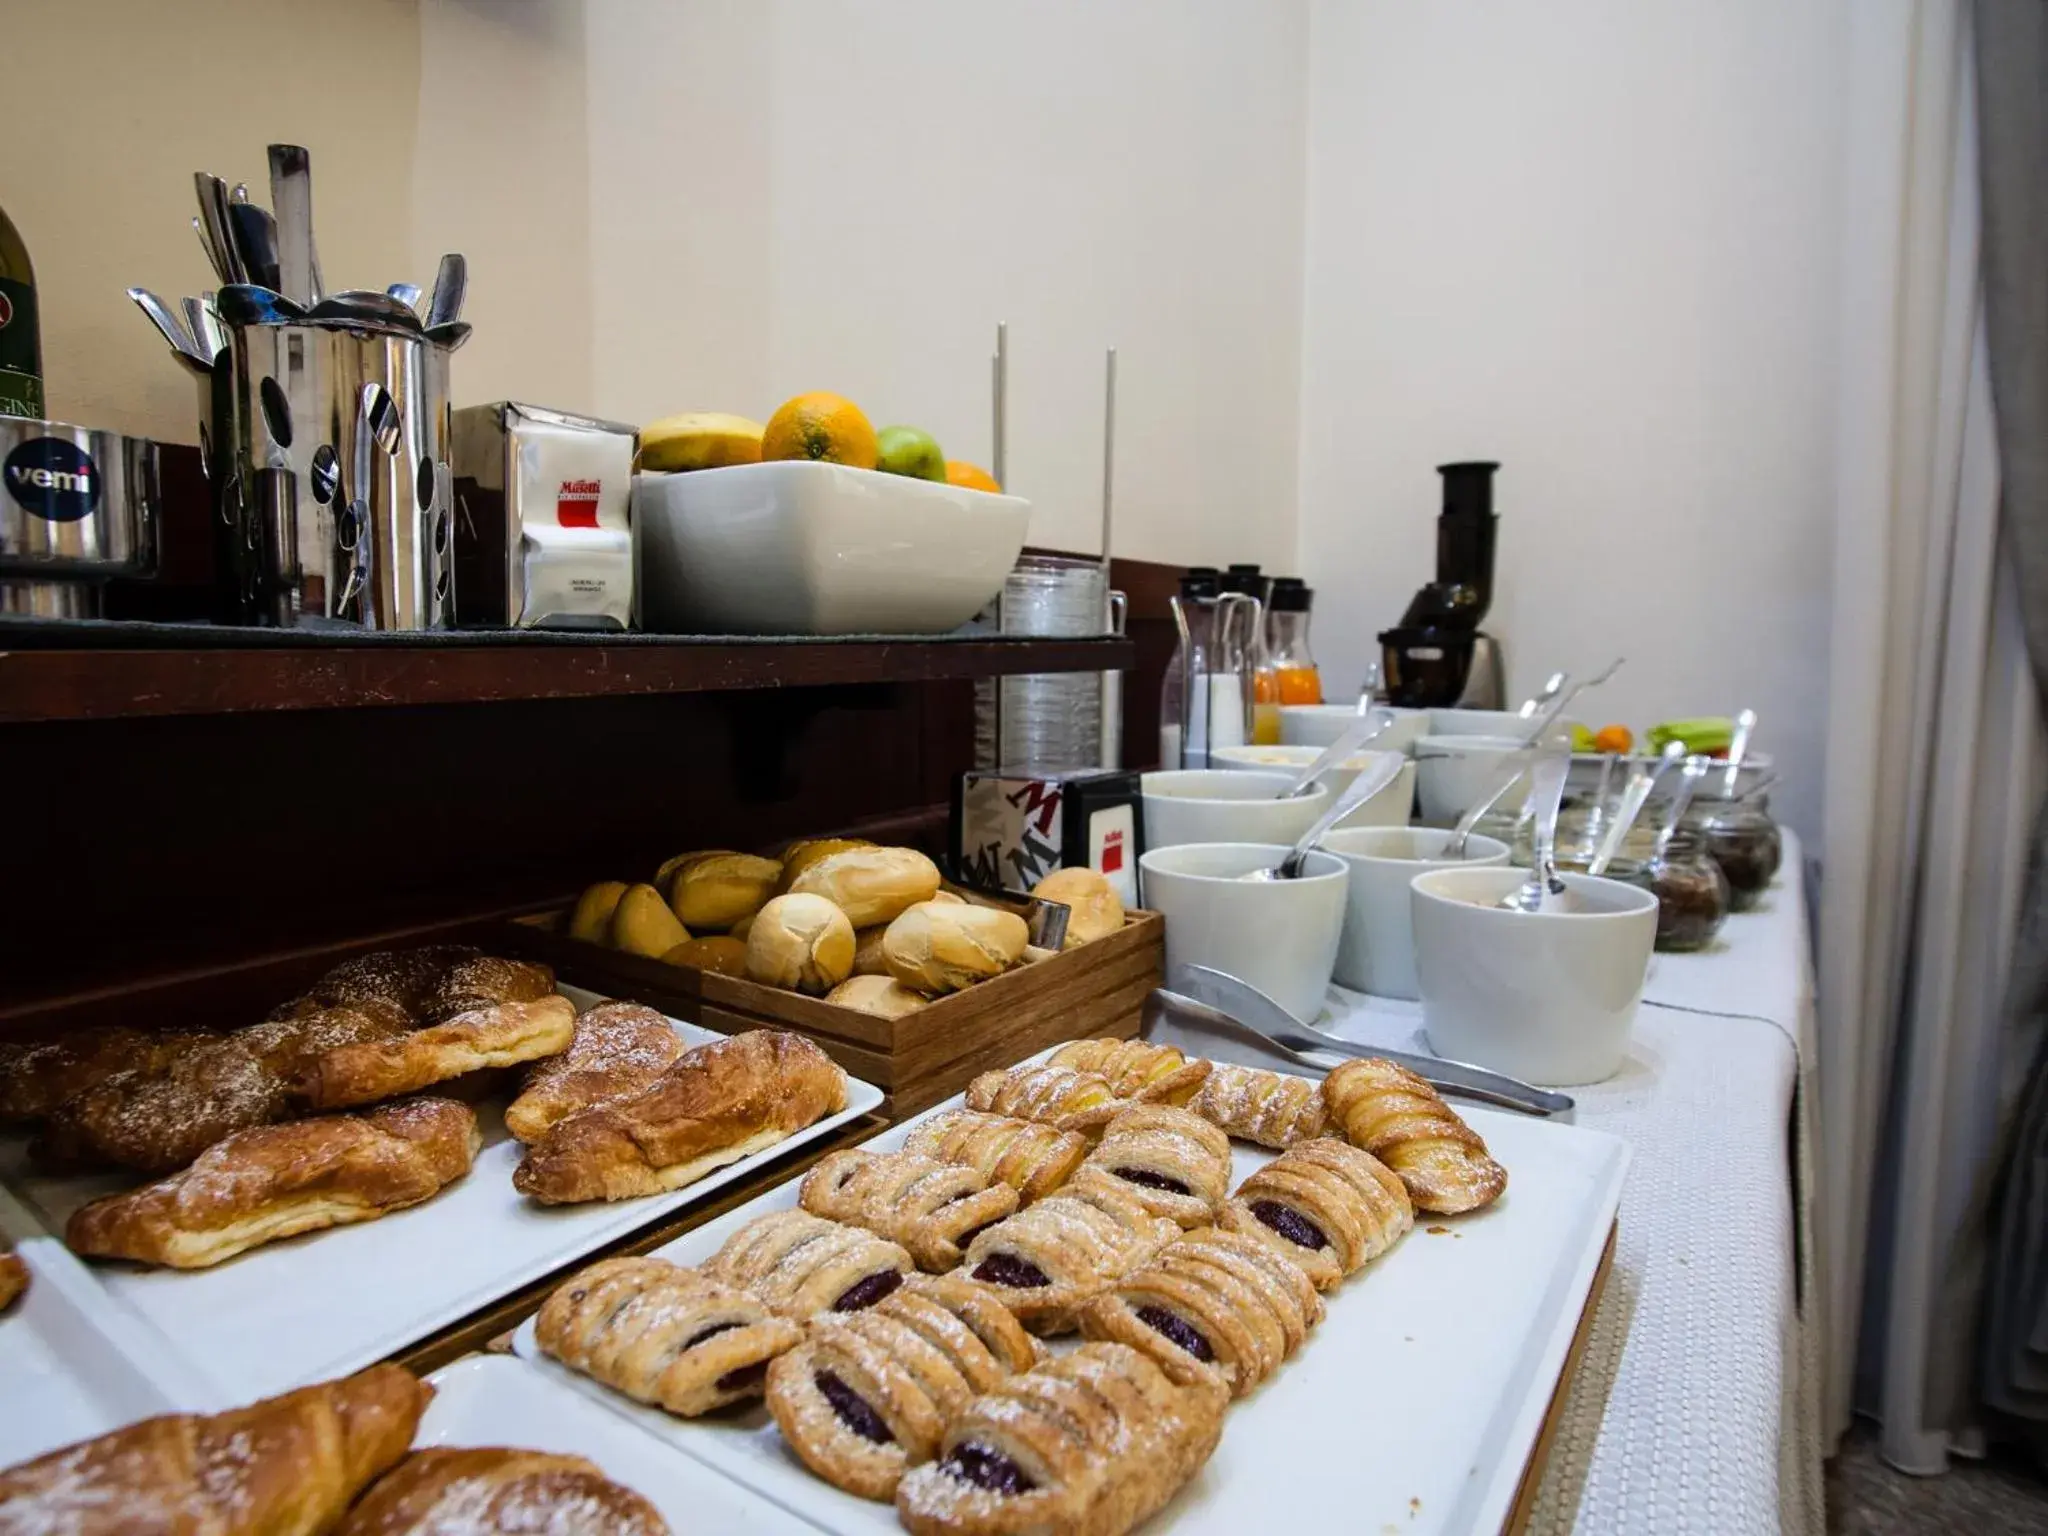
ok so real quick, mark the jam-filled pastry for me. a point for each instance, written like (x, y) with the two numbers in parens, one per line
(1327, 1205)
(1403, 1122)
(934, 1209)
(1137, 1069)
(1032, 1159)
(663, 1334)
(1059, 1096)
(802, 1264)
(1175, 1162)
(1273, 1109)
(1088, 1444)
(1049, 1259)
(868, 1394)
(1214, 1303)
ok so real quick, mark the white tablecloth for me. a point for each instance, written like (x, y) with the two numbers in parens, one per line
(1694, 1411)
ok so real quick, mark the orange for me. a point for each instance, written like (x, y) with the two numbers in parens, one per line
(973, 476)
(1613, 738)
(821, 425)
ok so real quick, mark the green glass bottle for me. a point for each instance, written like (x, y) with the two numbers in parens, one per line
(21, 340)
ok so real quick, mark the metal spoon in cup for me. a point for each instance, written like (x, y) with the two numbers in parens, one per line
(1738, 744)
(1369, 782)
(1642, 783)
(1476, 812)
(1354, 736)
(1563, 701)
(1551, 689)
(1543, 891)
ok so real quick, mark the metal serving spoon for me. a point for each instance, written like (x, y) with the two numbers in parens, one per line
(1353, 736)
(1543, 891)
(1369, 782)
(1642, 783)
(1563, 701)
(1461, 834)
(1555, 685)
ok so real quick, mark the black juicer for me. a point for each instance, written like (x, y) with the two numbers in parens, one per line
(1437, 657)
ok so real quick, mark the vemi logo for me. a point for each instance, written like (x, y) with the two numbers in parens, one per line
(53, 479)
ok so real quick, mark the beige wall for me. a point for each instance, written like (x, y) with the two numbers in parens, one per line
(97, 172)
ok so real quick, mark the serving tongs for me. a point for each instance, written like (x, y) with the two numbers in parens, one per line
(1047, 920)
(1233, 1007)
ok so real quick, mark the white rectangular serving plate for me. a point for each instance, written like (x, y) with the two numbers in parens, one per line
(498, 1401)
(1414, 1407)
(320, 1305)
(72, 1363)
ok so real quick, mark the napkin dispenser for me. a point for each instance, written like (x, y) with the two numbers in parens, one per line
(543, 533)
(1011, 827)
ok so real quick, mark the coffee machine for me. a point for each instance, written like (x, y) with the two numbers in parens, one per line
(1437, 656)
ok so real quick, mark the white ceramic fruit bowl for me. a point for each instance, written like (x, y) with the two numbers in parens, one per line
(800, 548)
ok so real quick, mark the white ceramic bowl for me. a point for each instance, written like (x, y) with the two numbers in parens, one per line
(1378, 949)
(1391, 807)
(1454, 772)
(1225, 805)
(1317, 725)
(1547, 997)
(1279, 935)
(801, 548)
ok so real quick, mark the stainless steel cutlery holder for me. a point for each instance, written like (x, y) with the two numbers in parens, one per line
(328, 448)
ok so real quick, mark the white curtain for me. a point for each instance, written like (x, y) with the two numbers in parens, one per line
(1933, 753)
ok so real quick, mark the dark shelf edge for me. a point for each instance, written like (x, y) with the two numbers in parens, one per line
(47, 685)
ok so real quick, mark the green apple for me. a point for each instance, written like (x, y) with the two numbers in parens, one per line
(910, 451)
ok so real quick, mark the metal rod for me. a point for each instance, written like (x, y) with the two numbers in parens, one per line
(1108, 459)
(1000, 365)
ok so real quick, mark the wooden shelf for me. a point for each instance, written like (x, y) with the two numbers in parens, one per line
(107, 683)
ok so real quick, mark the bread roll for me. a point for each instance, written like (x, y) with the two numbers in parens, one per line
(643, 924)
(883, 996)
(871, 885)
(802, 854)
(721, 953)
(801, 942)
(945, 946)
(942, 894)
(867, 951)
(716, 890)
(1095, 911)
(592, 920)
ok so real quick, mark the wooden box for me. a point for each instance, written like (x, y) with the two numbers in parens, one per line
(1089, 990)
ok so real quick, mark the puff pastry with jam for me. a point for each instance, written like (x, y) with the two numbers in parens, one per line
(1032, 1159)
(1327, 1205)
(1273, 1109)
(1089, 1444)
(1174, 1161)
(1213, 1304)
(867, 1395)
(933, 1209)
(1137, 1069)
(663, 1334)
(1049, 1259)
(800, 1264)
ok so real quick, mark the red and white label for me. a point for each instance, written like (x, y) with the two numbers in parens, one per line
(576, 503)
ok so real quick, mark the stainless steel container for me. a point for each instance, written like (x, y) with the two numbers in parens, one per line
(329, 448)
(77, 508)
(1051, 719)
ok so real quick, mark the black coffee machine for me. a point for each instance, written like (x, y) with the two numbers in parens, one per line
(1437, 656)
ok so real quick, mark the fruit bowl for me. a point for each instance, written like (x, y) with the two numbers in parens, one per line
(794, 547)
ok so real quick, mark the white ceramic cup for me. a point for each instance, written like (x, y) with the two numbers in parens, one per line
(1546, 997)
(1225, 805)
(1391, 807)
(1377, 953)
(1453, 773)
(1279, 935)
(1318, 725)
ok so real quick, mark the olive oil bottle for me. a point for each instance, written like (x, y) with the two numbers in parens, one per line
(21, 343)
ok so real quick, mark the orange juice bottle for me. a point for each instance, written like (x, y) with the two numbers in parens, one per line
(1293, 667)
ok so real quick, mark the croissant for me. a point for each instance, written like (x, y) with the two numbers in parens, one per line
(1213, 1303)
(663, 1334)
(1402, 1121)
(1058, 1096)
(1176, 1163)
(272, 1182)
(1270, 1108)
(933, 1209)
(454, 1492)
(1329, 1206)
(404, 979)
(1032, 1159)
(499, 1035)
(1088, 1444)
(1137, 1069)
(285, 1466)
(868, 1394)
(616, 1049)
(36, 1076)
(718, 1103)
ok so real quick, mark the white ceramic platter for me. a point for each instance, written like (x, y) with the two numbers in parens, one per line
(321, 1305)
(492, 1400)
(1413, 1408)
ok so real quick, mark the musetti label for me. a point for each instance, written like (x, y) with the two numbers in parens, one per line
(51, 478)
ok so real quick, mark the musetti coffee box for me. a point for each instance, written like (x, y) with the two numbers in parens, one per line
(1011, 827)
